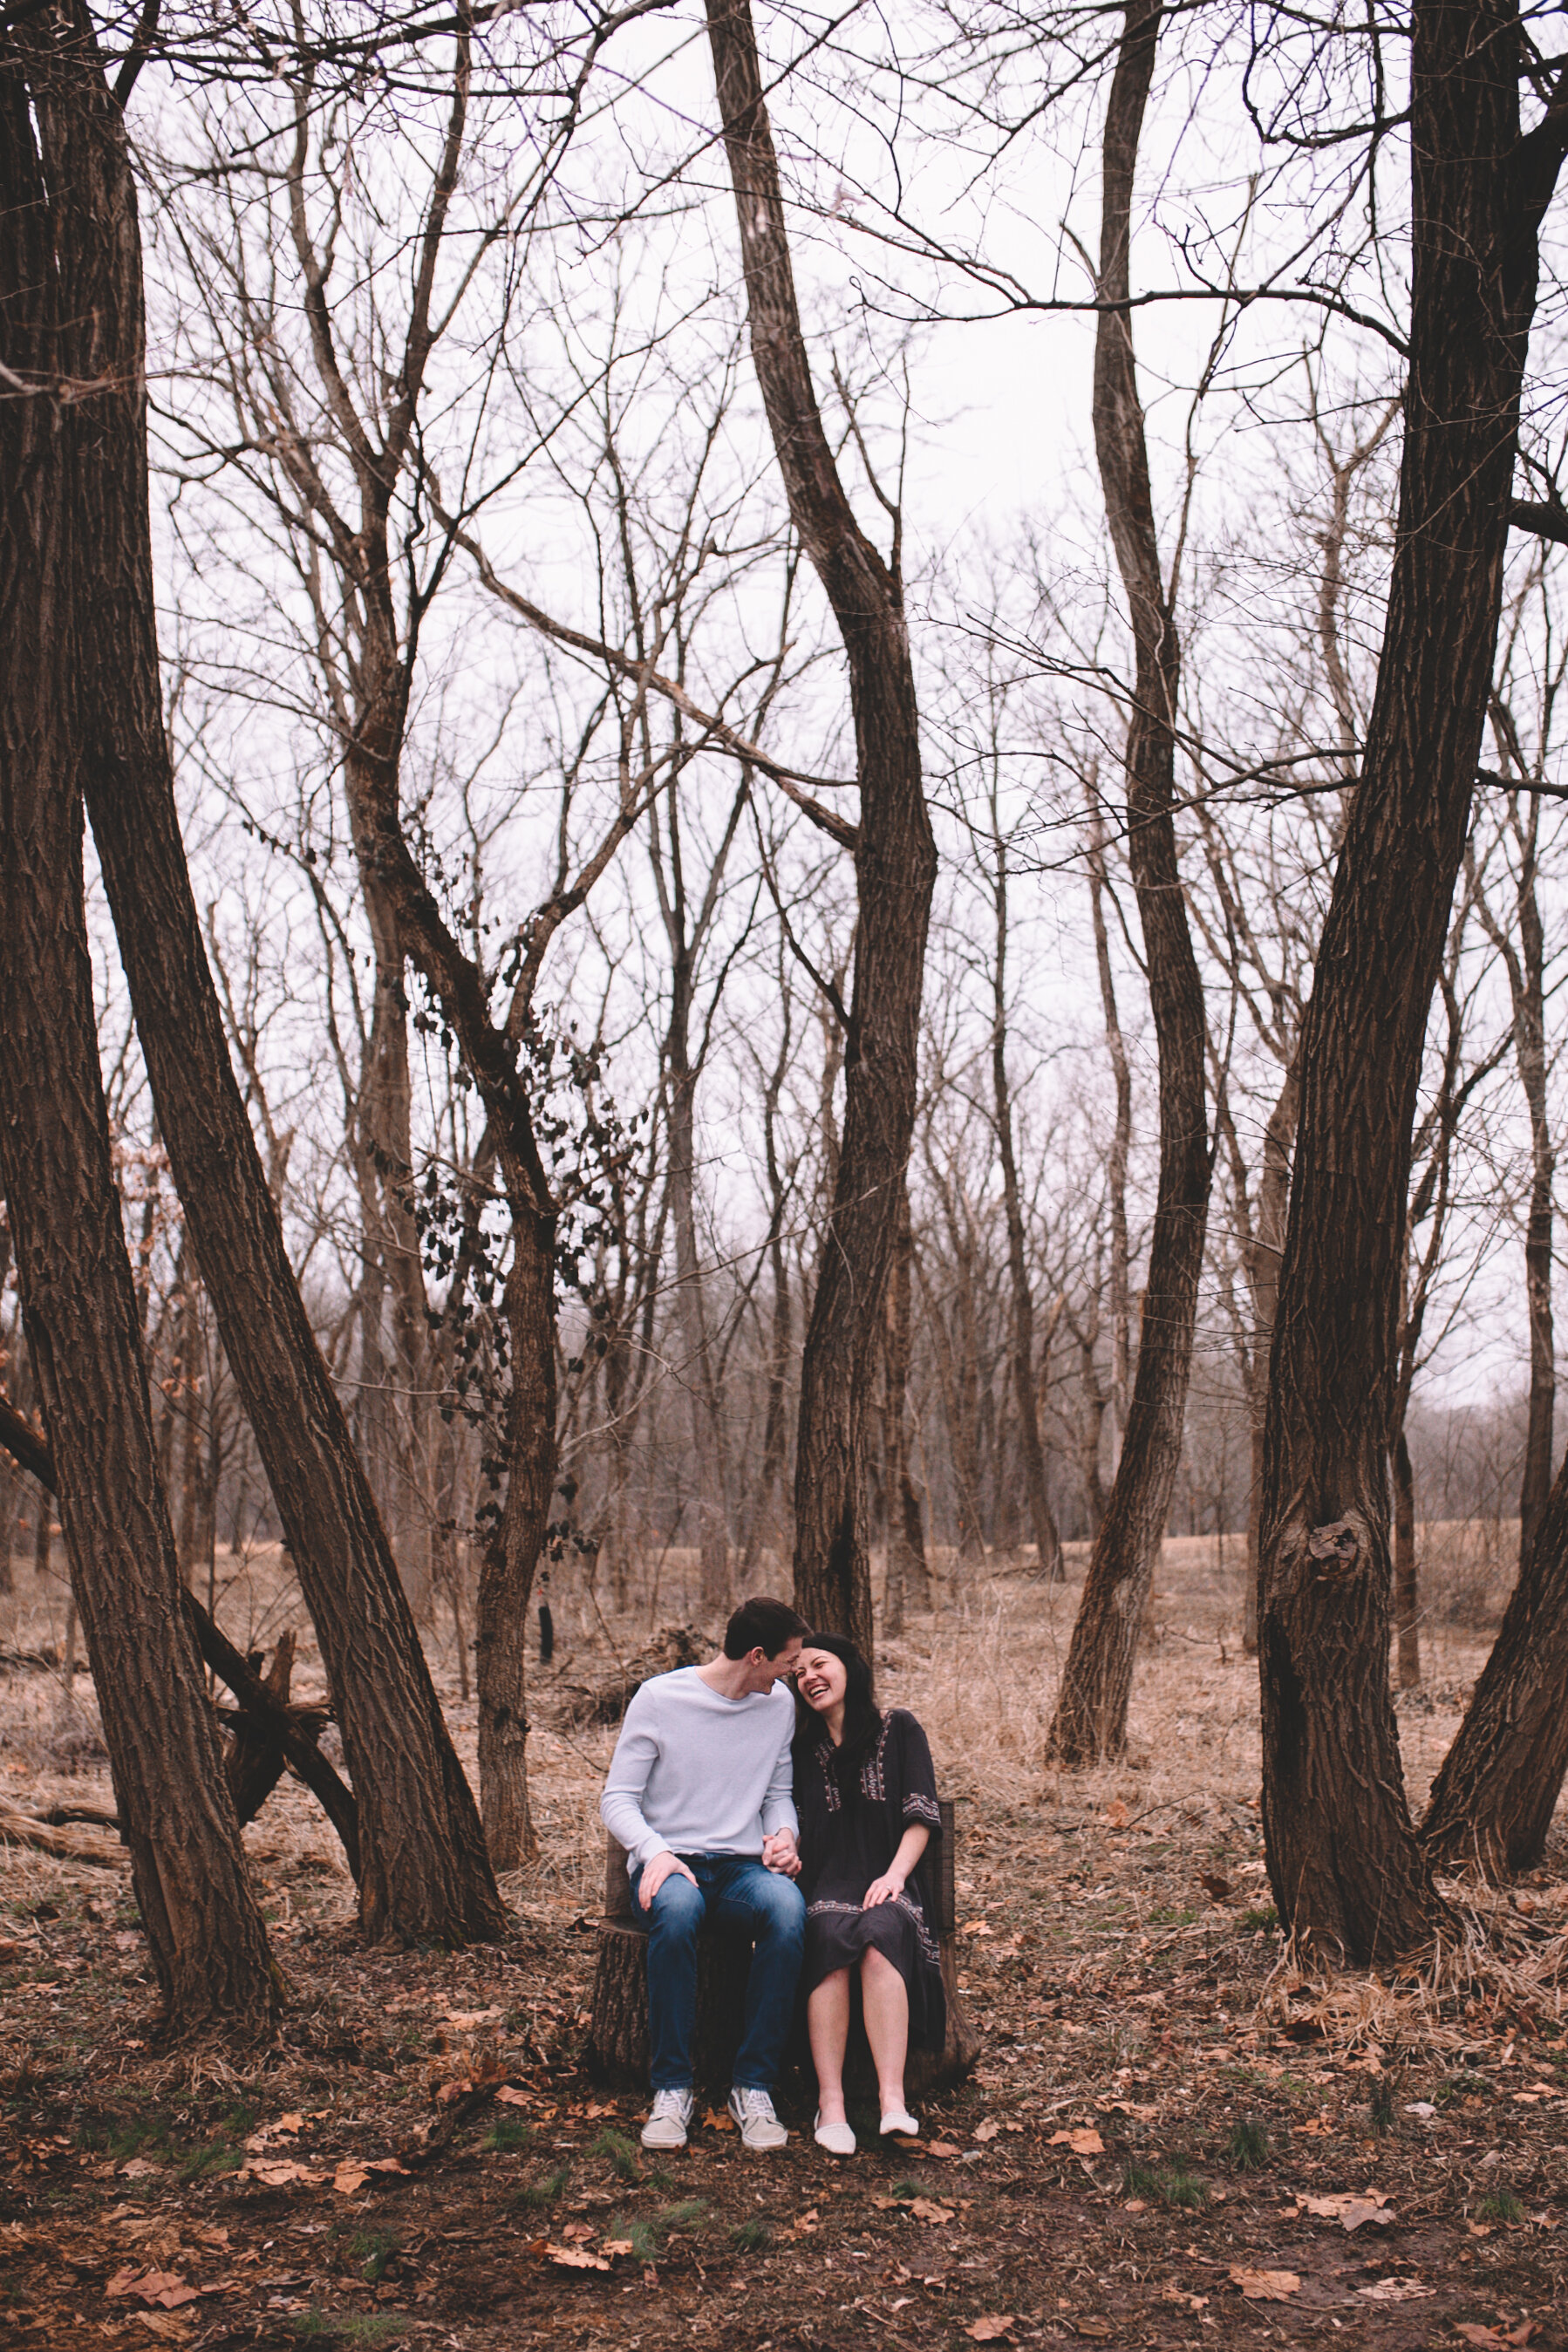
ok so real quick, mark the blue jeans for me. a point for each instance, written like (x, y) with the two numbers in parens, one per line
(737, 1891)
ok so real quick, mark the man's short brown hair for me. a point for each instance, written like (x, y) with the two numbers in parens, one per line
(762, 1623)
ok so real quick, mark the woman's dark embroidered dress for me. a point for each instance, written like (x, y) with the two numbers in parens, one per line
(853, 1812)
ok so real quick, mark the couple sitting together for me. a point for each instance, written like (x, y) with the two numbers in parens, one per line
(800, 1820)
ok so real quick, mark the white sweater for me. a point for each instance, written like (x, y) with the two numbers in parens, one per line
(694, 1772)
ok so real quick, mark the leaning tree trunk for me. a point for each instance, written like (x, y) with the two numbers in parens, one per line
(908, 1576)
(1090, 1720)
(895, 870)
(207, 1941)
(1343, 1858)
(426, 1873)
(1492, 1802)
(1263, 1251)
(1407, 1581)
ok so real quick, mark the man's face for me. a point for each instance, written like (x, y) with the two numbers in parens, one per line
(762, 1673)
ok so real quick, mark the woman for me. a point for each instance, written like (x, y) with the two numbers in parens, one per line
(866, 1795)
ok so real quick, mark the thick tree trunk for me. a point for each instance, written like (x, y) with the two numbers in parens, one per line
(205, 1932)
(426, 1873)
(895, 867)
(1090, 1720)
(1492, 1802)
(1345, 1866)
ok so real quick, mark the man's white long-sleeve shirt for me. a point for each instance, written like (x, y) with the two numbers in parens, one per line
(694, 1772)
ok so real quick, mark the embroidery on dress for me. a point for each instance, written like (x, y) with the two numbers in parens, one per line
(919, 1807)
(872, 1783)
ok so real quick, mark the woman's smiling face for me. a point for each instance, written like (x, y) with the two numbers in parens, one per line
(820, 1679)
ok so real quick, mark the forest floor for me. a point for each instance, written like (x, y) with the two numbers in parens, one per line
(1171, 2138)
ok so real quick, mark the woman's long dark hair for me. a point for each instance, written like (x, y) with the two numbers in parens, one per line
(862, 1719)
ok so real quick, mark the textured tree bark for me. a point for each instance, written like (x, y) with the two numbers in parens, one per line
(702, 1404)
(1345, 1864)
(205, 1932)
(1090, 1719)
(425, 1869)
(1492, 1802)
(895, 869)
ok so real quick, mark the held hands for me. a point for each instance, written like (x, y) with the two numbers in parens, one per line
(885, 1889)
(663, 1866)
(779, 1854)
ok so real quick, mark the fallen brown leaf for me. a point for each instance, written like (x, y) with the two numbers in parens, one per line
(1265, 2287)
(1097, 2330)
(1348, 2210)
(577, 2233)
(925, 2209)
(1082, 2140)
(167, 2289)
(943, 2149)
(719, 2119)
(613, 2246)
(986, 2131)
(577, 2258)
(990, 2331)
(1395, 2290)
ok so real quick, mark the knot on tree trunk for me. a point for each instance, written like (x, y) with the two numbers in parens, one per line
(1336, 1546)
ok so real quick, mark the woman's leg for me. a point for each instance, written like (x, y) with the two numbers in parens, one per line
(827, 2024)
(886, 2002)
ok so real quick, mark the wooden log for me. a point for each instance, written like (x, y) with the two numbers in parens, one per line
(618, 2033)
(66, 1845)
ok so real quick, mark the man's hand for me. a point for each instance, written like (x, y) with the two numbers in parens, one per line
(885, 1889)
(779, 1854)
(663, 1866)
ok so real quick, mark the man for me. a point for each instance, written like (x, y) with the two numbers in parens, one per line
(699, 1794)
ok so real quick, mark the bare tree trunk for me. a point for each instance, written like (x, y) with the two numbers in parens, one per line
(1120, 1134)
(205, 1935)
(1090, 1719)
(908, 1574)
(703, 1413)
(894, 866)
(424, 1868)
(1343, 1860)
(1048, 1542)
(1492, 1802)
(775, 1433)
(1407, 1600)
(1525, 967)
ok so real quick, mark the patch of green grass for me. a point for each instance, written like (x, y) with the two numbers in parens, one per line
(646, 2241)
(1266, 1918)
(690, 2214)
(1140, 2180)
(536, 2194)
(909, 2187)
(219, 2156)
(1499, 2205)
(1180, 2188)
(507, 2136)
(1467, 2084)
(1380, 2105)
(325, 2328)
(1173, 1915)
(751, 2237)
(373, 2250)
(1249, 2149)
(618, 2148)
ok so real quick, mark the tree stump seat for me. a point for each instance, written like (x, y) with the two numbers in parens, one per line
(618, 2038)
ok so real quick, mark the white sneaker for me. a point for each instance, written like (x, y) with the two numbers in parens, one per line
(837, 2138)
(753, 2111)
(666, 2125)
(900, 2120)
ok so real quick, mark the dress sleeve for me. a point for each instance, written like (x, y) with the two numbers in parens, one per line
(918, 1777)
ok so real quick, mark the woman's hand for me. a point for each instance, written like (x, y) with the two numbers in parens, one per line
(885, 1889)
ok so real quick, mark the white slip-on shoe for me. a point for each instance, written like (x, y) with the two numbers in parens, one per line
(900, 2120)
(837, 2138)
(753, 2111)
(667, 2123)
